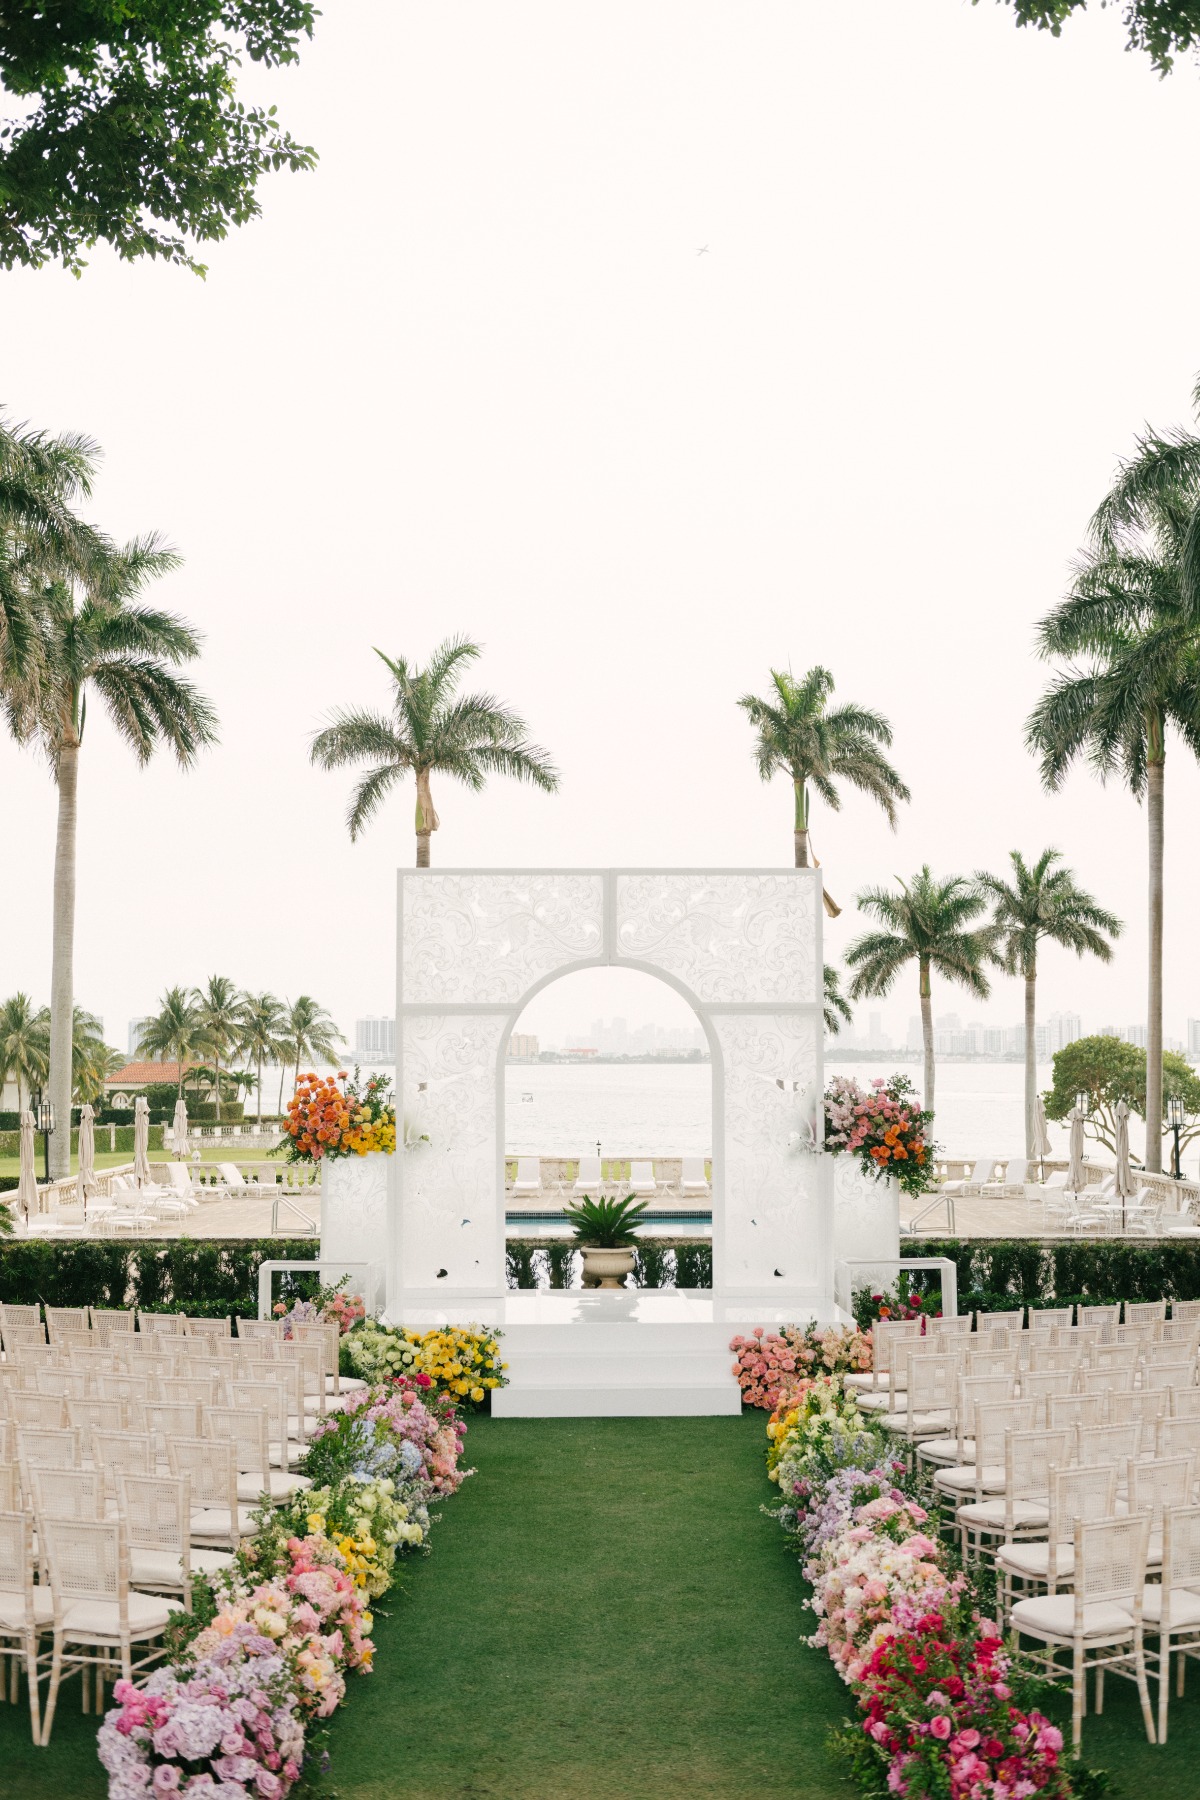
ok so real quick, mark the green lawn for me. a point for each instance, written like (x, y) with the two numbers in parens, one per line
(606, 1614)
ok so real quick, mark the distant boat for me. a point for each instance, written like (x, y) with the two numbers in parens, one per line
(527, 1096)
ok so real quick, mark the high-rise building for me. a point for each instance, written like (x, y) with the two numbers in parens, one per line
(914, 1040)
(1193, 1037)
(1063, 1029)
(1135, 1034)
(136, 1028)
(523, 1044)
(375, 1040)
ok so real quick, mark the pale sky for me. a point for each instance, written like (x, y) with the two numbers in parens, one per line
(473, 376)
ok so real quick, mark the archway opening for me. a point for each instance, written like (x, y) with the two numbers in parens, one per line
(608, 1090)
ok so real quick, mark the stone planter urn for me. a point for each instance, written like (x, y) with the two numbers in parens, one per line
(608, 1268)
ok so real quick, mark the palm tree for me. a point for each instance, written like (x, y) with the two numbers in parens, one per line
(800, 736)
(837, 1009)
(309, 1035)
(263, 1018)
(928, 922)
(220, 1010)
(429, 732)
(24, 1045)
(1043, 901)
(1132, 618)
(94, 638)
(39, 535)
(174, 1032)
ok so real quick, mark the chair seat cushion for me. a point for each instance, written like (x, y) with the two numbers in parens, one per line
(946, 1450)
(12, 1609)
(87, 1621)
(1053, 1615)
(278, 1484)
(1185, 1607)
(1025, 1513)
(966, 1479)
(155, 1568)
(1033, 1560)
(880, 1399)
(924, 1424)
(213, 1521)
(348, 1384)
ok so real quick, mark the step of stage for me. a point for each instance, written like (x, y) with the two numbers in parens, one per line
(619, 1369)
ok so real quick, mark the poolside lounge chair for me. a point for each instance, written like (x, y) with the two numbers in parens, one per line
(588, 1180)
(529, 1176)
(641, 1178)
(1012, 1181)
(692, 1179)
(232, 1176)
(983, 1171)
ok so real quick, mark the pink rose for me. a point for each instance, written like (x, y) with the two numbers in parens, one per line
(941, 1726)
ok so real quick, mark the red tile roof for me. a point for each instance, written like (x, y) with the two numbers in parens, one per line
(141, 1074)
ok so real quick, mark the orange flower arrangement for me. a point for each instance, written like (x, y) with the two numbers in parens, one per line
(326, 1119)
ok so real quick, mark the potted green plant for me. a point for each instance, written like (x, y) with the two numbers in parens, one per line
(606, 1230)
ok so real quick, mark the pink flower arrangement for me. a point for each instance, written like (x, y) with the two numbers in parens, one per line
(773, 1367)
(883, 1126)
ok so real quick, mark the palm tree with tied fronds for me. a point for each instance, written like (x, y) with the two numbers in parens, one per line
(816, 746)
(173, 1033)
(930, 922)
(1131, 624)
(309, 1035)
(430, 732)
(24, 1045)
(836, 1009)
(263, 1018)
(1042, 901)
(95, 638)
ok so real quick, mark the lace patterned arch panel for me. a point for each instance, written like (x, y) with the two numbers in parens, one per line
(486, 939)
(728, 937)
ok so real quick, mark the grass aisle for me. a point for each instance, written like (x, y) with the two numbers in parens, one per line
(605, 1613)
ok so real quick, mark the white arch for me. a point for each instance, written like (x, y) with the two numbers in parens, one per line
(741, 947)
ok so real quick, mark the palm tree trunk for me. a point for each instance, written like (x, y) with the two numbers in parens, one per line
(62, 977)
(1030, 1054)
(422, 849)
(427, 820)
(927, 1031)
(258, 1090)
(800, 830)
(282, 1073)
(1155, 771)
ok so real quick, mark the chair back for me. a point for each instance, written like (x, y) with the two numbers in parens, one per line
(16, 1556)
(260, 1328)
(26, 1406)
(1110, 1563)
(991, 1362)
(123, 1453)
(1107, 1443)
(1101, 1315)
(62, 1382)
(44, 1447)
(211, 1463)
(1183, 1402)
(66, 1318)
(201, 1390)
(173, 1418)
(1047, 1356)
(245, 1428)
(1182, 1309)
(1142, 1312)
(67, 1493)
(161, 1324)
(209, 1328)
(13, 1313)
(1046, 1316)
(1077, 1493)
(1007, 1321)
(231, 1175)
(10, 1489)
(1075, 1409)
(1168, 1375)
(1141, 1334)
(1104, 1381)
(1029, 1457)
(932, 1384)
(993, 1421)
(157, 1510)
(1159, 1482)
(87, 1559)
(102, 1415)
(1178, 1437)
(529, 1171)
(123, 1387)
(951, 1327)
(1116, 1356)
(589, 1171)
(22, 1337)
(1180, 1555)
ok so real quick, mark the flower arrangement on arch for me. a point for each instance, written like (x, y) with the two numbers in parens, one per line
(883, 1126)
(339, 1116)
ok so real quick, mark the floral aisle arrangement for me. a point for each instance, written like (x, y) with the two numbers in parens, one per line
(769, 1365)
(883, 1126)
(267, 1649)
(338, 1116)
(463, 1361)
(945, 1709)
(332, 1306)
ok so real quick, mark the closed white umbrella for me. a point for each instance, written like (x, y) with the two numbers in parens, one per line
(85, 1181)
(179, 1128)
(27, 1187)
(1123, 1188)
(1075, 1172)
(141, 1141)
(1042, 1147)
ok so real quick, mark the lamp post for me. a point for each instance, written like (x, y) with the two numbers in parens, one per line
(1175, 1117)
(45, 1124)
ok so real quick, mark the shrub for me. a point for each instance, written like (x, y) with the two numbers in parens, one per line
(994, 1273)
(208, 1276)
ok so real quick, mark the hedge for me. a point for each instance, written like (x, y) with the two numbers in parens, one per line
(994, 1273)
(202, 1276)
(657, 1262)
(10, 1141)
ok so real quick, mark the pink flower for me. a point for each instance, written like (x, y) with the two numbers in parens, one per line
(941, 1727)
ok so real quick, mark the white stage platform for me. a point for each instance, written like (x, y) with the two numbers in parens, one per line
(634, 1353)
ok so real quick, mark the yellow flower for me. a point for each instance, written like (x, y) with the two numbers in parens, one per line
(316, 1523)
(477, 1394)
